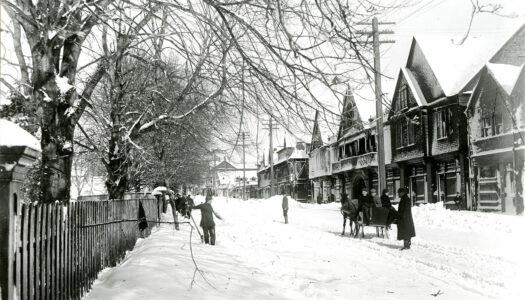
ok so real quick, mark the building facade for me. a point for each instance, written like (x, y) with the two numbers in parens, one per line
(321, 155)
(290, 173)
(496, 113)
(354, 167)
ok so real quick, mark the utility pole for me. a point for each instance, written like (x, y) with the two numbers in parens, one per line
(271, 127)
(381, 172)
(244, 135)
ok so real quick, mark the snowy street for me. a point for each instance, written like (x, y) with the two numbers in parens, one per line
(455, 255)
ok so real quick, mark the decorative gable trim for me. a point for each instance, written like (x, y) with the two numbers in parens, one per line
(350, 118)
(317, 139)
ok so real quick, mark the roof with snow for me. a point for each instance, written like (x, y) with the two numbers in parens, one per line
(455, 64)
(505, 75)
(510, 79)
(13, 135)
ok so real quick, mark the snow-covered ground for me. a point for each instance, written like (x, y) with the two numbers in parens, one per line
(456, 255)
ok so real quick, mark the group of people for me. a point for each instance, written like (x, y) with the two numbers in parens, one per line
(184, 205)
(402, 217)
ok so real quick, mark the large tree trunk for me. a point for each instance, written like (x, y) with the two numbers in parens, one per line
(57, 128)
(119, 147)
(117, 182)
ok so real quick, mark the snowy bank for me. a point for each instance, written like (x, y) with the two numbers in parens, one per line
(455, 255)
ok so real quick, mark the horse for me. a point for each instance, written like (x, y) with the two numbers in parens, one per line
(349, 211)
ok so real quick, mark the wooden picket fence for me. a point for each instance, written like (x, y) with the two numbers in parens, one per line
(62, 247)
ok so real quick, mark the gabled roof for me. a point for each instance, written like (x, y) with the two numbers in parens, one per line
(454, 64)
(404, 72)
(317, 139)
(224, 165)
(350, 117)
(508, 77)
(505, 75)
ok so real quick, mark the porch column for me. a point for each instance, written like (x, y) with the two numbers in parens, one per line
(430, 169)
(404, 178)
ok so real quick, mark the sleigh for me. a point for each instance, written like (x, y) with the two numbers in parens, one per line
(378, 219)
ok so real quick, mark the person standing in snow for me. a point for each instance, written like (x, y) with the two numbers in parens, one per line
(385, 203)
(285, 208)
(207, 222)
(190, 203)
(405, 223)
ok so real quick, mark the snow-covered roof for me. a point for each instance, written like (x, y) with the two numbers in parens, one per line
(456, 64)
(298, 154)
(505, 75)
(13, 135)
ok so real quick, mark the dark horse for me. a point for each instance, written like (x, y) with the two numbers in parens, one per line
(349, 211)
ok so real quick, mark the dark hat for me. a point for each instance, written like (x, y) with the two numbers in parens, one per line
(402, 189)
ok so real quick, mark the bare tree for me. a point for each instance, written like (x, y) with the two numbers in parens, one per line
(247, 56)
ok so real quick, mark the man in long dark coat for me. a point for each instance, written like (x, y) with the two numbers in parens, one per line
(405, 223)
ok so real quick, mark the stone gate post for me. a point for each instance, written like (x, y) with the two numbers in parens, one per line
(18, 151)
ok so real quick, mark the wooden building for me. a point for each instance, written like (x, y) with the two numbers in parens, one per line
(355, 159)
(290, 173)
(429, 127)
(321, 155)
(496, 113)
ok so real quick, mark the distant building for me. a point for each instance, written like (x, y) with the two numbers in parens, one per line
(229, 179)
(321, 155)
(290, 173)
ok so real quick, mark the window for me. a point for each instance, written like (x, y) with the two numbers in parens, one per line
(411, 132)
(398, 135)
(403, 97)
(404, 133)
(486, 126)
(362, 148)
(498, 124)
(354, 148)
(441, 123)
(492, 125)
(372, 140)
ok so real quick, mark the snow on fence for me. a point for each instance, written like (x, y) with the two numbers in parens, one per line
(61, 248)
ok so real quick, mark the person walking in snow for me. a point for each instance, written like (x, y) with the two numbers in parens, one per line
(405, 223)
(285, 208)
(207, 222)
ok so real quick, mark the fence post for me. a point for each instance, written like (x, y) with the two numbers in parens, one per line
(18, 151)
